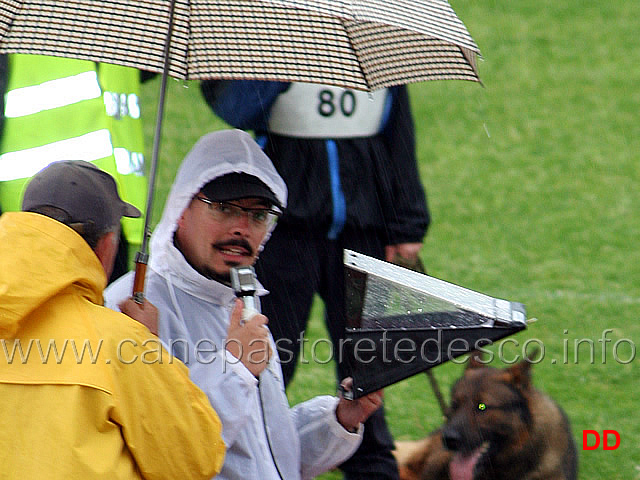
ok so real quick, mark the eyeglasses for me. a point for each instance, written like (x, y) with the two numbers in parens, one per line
(224, 212)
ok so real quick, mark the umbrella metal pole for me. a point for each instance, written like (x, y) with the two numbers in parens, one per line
(142, 257)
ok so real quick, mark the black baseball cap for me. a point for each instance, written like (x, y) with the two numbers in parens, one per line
(237, 185)
(87, 194)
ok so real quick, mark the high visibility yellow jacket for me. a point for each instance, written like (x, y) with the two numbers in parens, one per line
(87, 393)
(66, 109)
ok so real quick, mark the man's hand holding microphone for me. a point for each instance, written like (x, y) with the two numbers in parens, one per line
(248, 336)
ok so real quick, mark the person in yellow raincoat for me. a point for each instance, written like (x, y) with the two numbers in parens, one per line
(87, 393)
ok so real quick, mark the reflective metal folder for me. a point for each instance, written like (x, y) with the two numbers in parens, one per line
(401, 322)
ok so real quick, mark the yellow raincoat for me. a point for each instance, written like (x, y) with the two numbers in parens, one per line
(85, 392)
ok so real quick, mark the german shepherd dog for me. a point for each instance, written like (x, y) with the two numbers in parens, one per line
(498, 427)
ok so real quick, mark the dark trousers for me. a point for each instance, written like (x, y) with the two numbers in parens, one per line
(295, 265)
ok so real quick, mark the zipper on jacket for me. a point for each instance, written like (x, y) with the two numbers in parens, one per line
(266, 432)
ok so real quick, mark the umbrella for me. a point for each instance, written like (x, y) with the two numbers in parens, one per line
(356, 44)
(348, 43)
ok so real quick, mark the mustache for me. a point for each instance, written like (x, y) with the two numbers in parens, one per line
(235, 242)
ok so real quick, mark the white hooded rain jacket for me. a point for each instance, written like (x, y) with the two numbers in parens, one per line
(265, 438)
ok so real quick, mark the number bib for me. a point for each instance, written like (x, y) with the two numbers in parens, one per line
(308, 110)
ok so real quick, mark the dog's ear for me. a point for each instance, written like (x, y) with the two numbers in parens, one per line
(476, 359)
(521, 374)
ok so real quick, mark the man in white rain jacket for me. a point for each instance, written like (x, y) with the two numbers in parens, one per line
(220, 212)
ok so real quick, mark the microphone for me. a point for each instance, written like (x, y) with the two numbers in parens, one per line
(243, 282)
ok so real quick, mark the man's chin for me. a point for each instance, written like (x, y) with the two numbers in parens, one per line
(218, 277)
(223, 276)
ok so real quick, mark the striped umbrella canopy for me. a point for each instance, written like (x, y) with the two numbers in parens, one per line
(349, 43)
(360, 44)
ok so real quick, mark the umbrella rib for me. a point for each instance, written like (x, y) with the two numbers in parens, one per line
(358, 58)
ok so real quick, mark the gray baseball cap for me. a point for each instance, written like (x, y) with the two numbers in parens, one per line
(87, 194)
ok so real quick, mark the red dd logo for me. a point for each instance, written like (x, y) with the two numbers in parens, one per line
(596, 439)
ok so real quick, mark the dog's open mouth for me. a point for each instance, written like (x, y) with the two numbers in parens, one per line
(463, 463)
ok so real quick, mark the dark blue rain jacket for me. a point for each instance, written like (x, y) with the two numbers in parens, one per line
(368, 183)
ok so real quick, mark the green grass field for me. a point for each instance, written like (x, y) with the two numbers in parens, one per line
(530, 181)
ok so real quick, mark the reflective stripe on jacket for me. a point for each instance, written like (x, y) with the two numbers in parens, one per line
(64, 109)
